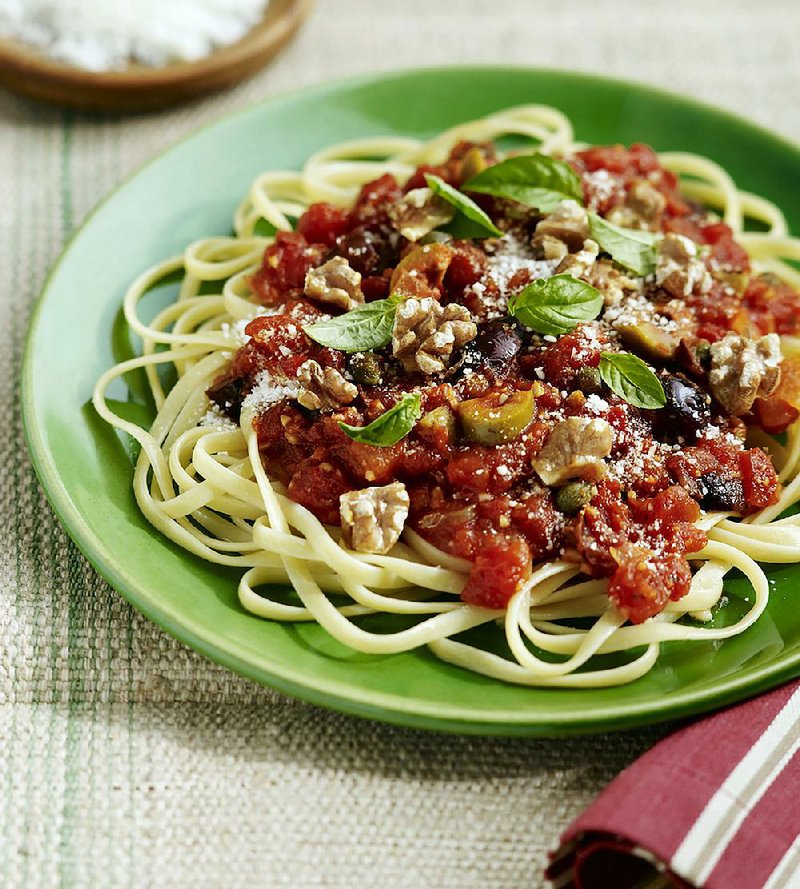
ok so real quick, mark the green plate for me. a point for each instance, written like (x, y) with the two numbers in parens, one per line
(191, 191)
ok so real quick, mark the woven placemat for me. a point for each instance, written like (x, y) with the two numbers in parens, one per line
(128, 760)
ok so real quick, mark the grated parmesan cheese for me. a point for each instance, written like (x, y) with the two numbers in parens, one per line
(102, 35)
(268, 390)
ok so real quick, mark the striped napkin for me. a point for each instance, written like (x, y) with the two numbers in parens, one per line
(715, 805)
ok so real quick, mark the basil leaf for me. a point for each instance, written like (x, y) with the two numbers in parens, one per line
(555, 305)
(535, 180)
(481, 225)
(263, 229)
(390, 427)
(631, 379)
(361, 329)
(629, 247)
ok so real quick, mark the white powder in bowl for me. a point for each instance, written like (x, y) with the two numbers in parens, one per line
(102, 35)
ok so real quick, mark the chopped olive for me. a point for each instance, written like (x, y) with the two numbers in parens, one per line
(227, 392)
(438, 425)
(365, 368)
(648, 340)
(688, 407)
(720, 493)
(493, 349)
(472, 163)
(573, 497)
(496, 418)
(588, 380)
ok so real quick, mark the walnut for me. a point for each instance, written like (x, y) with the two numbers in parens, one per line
(678, 270)
(568, 223)
(373, 518)
(574, 449)
(323, 389)
(335, 283)
(642, 209)
(579, 264)
(426, 334)
(612, 282)
(549, 247)
(743, 369)
(420, 212)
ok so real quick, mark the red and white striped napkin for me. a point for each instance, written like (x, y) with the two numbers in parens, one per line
(715, 805)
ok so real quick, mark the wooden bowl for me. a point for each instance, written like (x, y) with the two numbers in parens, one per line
(28, 71)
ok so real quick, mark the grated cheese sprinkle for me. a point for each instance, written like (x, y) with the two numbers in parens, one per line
(103, 35)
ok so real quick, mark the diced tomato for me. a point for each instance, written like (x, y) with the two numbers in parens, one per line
(318, 487)
(375, 200)
(759, 479)
(284, 267)
(502, 563)
(775, 414)
(725, 252)
(601, 527)
(637, 160)
(467, 266)
(774, 307)
(643, 582)
(282, 345)
(540, 522)
(563, 359)
(322, 223)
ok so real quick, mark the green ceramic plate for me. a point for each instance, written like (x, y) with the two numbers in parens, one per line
(191, 191)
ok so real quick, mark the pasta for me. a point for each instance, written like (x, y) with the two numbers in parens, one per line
(202, 482)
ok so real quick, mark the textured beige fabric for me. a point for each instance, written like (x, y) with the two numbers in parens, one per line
(128, 760)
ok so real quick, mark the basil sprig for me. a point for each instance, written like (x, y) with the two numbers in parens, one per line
(535, 180)
(263, 228)
(475, 223)
(631, 379)
(630, 247)
(362, 329)
(391, 426)
(555, 305)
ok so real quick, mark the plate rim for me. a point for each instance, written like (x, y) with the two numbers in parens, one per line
(333, 694)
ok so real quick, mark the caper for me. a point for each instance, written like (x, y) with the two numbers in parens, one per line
(365, 368)
(588, 380)
(573, 496)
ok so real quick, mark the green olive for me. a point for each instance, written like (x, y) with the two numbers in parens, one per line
(648, 340)
(472, 163)
(365, 368)
(573, 496)
(588, 380)
(496, 418)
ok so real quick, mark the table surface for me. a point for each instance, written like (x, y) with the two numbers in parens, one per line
(129, 760)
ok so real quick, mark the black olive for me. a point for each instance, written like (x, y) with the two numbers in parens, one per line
(687, 411)
(493, 349)
(720, 493)
(369, 251)
(226, 392)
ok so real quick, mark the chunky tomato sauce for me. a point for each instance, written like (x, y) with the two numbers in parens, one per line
(484, 501)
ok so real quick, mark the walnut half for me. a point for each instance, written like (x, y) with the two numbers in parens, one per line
(743, 370)
(426, 334)
(323, 389)
(574, 449)
(678, 270)
(373, 518)
(335, 283)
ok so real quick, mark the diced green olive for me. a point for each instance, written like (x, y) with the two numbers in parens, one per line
(648, 341)
(365, 368)
(573, 497)
(472, 163)
(588, 380)
(496, 418)
(439, 424)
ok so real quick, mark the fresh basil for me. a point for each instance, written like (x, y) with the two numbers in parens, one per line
(478, 224)
(362, 329)
(263, 228)
(631, 379)
(535, 180)
(390, 427)
(555, 305)
(630, 247)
